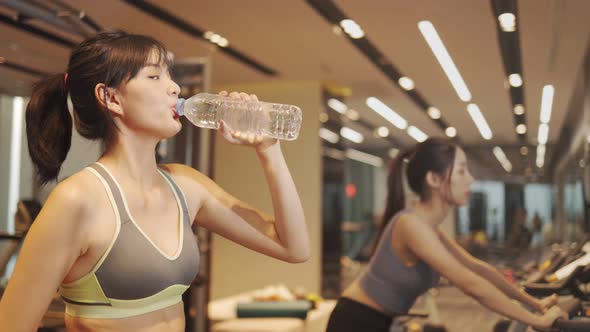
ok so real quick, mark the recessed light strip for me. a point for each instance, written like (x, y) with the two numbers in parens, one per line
(501, 156)
(329, 135)
(387, 113)
(444, 59)
(547, 103)
(351, 135)
(417, 134)
(540, 155)
(363, 157)
(480, 121)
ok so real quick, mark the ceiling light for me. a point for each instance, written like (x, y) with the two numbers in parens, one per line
(507, 22)
(443, 57)
(336, 30)
(451, 132)
(540, 155)
(352, 114)
(524, 150)
(417, 134)
(543, 133)
(337, 105)
(329, 135)
(352, 29)
(515, 80)
(547, 103)
(541, 148)
(223, 42)
(499, 153)
(363, 157)
(406, 83)
(521, 129)
(351, 135)
(387, 113)
(333, 153)
(215, 38)
(324, 117)
(382, 131)
(518, 109)
(480, 121)
(433, 112)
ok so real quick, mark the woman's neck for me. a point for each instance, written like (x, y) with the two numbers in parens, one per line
(434, 210)
(133, 160)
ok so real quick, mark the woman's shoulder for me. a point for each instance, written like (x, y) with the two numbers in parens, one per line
(71, 200)
(76, 188)
(411, 223)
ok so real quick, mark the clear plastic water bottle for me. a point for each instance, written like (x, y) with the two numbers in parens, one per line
(205, 110)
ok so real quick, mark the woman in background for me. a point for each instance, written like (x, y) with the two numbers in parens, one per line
(413, 252)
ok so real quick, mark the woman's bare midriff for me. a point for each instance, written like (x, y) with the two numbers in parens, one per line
(354, 290)
(170, 319)
(356, 293)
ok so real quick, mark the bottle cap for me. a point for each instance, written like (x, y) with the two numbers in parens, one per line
(180, 107)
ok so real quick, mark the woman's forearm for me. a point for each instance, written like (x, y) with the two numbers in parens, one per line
(489, 273)
(495, 300)
(288, 213)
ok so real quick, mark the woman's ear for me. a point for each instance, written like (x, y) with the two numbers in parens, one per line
(433, 180)
(107, 98)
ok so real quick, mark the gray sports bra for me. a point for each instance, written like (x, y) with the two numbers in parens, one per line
(134, 276)
(389, 282)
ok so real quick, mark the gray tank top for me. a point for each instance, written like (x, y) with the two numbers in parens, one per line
(389, 282)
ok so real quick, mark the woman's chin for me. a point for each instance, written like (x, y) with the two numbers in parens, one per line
(170, 132)
(177, 128)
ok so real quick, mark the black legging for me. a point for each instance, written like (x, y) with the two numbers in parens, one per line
(353, 316)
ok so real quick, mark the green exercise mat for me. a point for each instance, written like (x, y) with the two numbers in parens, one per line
(296, 309)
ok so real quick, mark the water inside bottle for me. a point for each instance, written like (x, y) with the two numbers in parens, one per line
(260, 118)
(240, 116)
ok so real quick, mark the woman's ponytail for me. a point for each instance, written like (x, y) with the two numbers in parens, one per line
(395, 189)
(49, 126)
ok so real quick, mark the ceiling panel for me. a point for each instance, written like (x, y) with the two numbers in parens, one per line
(293, 39)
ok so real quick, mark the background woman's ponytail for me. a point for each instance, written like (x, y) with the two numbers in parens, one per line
(395, 189)
(49, 126)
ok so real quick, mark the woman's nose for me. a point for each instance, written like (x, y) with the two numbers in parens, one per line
(174, 88)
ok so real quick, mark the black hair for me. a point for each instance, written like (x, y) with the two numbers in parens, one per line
(111, 58)
(435, 155)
